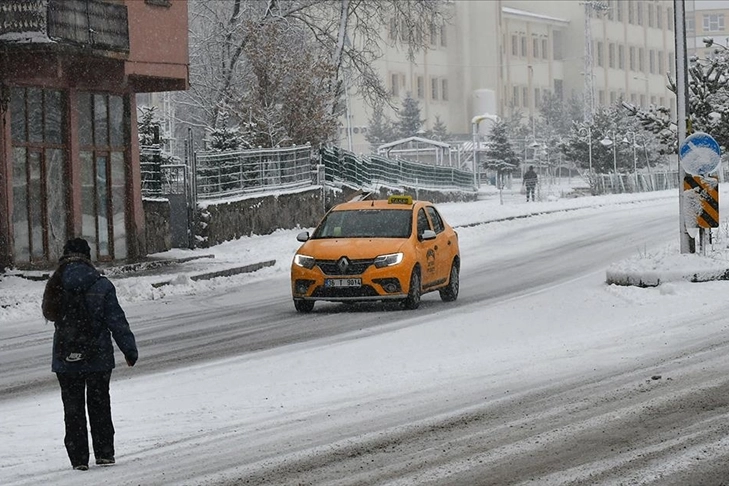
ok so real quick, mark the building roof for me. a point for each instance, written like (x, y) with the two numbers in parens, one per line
(534, 17)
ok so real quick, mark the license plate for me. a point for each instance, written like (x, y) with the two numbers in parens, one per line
(343, 282)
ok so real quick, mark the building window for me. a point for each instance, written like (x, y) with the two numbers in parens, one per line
(652, 61)
(641, 60)
(545, 50)
(651, 15)
(631, 12)
(601, 97)
(103, 178)
(444, 90)
(661, 63)
(642, 100)
(393, 29)
(433, 33)
(443, 37)
(713, 22)
(515, 96)
(557, 49)
(659, 17)
(639, 13)
(600, 56)
(619, 6)
(653, 100)
(523, 46)
(610, 9)
(434, 88)
(559, 88)
(38, 178)
(537, 97)
(613, 97)
(690, 25)
(621, 57)
(514, 45)
(158, 3)
(669, 18)
(535, 48)
(631, 57)
(525, 97)
(611, 56)
(671, 63)
(394, 85)
(420, 88)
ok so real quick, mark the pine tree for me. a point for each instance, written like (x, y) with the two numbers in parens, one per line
(409, 122)
(224, 138)
(148, 126)
(500, 153)
(440, 131)
(379, 130)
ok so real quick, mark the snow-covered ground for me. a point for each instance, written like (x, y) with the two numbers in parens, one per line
(180, 411)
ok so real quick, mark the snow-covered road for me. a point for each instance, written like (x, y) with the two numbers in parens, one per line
(539, 372)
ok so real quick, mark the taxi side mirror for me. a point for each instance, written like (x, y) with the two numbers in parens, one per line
(427, 235)
(303, 236)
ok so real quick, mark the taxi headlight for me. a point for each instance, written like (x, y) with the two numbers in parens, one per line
(304, 261)
(388, 260)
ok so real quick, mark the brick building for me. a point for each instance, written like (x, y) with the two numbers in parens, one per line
(69, 159)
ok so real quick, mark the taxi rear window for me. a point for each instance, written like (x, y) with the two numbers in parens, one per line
(368, 223)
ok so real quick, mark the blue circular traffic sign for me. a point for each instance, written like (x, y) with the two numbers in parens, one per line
(699, 154)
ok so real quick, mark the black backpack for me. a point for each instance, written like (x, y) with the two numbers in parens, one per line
(76, 332)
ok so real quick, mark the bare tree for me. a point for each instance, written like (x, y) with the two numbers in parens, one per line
(338, 36)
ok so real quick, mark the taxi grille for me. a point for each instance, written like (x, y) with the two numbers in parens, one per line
(334, 292)
(352, 267)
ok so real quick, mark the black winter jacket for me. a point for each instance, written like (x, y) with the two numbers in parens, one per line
(79, 273)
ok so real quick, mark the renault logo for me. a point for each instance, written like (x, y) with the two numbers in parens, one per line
(343, 264)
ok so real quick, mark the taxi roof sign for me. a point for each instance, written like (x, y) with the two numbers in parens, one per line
(400, 200)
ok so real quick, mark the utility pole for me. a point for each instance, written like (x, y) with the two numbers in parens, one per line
(682, 96)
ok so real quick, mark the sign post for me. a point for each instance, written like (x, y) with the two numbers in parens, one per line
(700, 155)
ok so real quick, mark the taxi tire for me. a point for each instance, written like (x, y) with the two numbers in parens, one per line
(449, 293)
(412, 301)
(304, 305)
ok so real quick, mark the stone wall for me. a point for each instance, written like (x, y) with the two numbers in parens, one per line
(260, 215)
(157, 225)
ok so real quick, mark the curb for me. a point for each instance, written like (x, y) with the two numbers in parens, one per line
(223, 273)
(656, 278)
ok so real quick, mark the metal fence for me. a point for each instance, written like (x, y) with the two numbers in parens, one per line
(369, 171)
(159, 177)
(655, 180)
(227, 174)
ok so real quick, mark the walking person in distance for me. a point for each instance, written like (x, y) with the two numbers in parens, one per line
(86, 315)
(530, 182)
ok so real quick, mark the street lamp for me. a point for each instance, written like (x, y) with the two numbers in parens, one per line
(630, 140)
(607, 142)
(474, 123)
(587, 131)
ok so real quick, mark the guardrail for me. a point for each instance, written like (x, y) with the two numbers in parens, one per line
(369, 171)
(227, 174)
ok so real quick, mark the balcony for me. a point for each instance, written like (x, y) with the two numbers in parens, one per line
(89, 24)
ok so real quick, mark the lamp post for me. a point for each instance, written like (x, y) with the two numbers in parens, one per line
(631, 141)
(607, 142)
(474, 123)
(587, 131)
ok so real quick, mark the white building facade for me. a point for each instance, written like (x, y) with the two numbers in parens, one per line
(500, 56)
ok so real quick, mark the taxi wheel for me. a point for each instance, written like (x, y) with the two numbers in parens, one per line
(449, 293)
(304, 305)
(412, 301)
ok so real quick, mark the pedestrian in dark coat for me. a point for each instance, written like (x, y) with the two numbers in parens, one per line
(530, 182)
(88, 378)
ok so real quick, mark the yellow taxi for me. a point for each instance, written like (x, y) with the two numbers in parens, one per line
(377, 250)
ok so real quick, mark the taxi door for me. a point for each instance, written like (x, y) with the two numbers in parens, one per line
(426, 251)
(443, 246)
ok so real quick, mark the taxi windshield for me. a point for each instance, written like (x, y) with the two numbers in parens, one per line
(368, 223)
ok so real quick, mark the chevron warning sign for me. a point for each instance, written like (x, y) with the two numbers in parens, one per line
(704, 193)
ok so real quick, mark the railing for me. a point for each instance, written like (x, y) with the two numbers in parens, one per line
(87, 23)
(341, 166)
(229, 174)
(158, 176)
